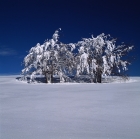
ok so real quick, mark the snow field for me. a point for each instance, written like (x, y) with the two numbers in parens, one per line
(69, 111)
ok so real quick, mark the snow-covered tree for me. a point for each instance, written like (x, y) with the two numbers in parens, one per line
(100, 56)
(96, 57)
(53, 57)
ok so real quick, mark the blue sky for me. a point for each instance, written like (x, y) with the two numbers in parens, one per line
(25, 23)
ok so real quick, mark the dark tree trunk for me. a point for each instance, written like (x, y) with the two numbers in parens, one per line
(51, 78)
(46, 77)
(51, 74)
(99, 69)
(99, 76)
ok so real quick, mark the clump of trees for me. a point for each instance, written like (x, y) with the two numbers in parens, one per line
(94, 57)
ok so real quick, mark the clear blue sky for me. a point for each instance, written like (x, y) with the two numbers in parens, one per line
(23, 23)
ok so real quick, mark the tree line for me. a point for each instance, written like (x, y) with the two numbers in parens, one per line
(95, 57)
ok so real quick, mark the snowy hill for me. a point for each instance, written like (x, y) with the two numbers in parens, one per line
(69, 111)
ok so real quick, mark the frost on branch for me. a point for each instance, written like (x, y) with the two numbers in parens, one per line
(96, 58)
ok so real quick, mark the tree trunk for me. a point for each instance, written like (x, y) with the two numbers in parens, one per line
(99, 76)
(51, 78)
(99, 69)
(46, 76)
(51, 74)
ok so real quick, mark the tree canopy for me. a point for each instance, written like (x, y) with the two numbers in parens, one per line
(95, 57)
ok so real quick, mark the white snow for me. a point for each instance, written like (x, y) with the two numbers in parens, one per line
(99, 55)
(69, 111)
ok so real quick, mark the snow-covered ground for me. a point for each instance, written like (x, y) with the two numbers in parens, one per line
(69, 111)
